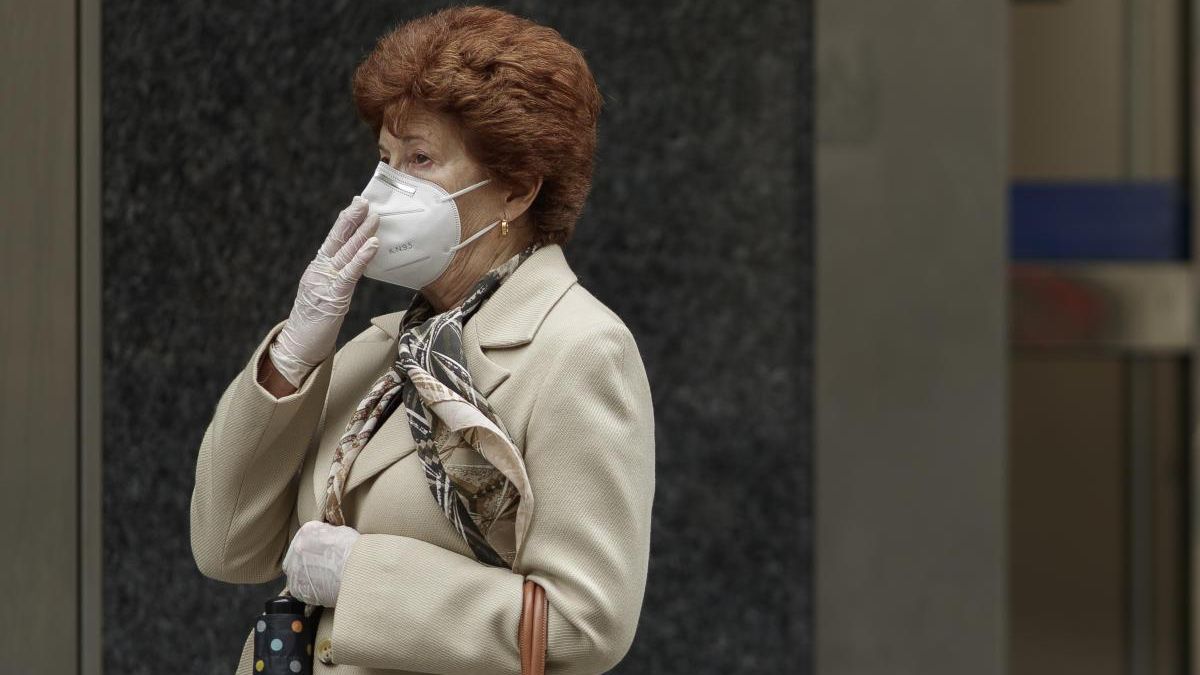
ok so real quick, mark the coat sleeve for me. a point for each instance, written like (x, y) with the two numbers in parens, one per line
(410, 605)
(243, 506)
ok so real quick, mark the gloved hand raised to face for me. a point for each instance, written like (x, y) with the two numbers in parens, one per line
(311, 330)
(315, 559)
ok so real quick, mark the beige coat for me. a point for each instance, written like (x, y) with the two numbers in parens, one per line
(565, 376)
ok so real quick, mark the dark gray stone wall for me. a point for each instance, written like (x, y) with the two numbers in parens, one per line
(230, 143)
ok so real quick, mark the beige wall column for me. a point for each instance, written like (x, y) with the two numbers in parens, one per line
(49, 336)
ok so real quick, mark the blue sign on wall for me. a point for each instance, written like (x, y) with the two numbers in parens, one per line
(1098, 220)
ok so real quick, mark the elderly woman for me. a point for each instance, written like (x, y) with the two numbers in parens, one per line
(498, 430)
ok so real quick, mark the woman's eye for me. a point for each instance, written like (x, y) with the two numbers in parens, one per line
(420, 158)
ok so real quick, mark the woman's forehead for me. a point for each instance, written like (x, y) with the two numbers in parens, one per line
(420, 124)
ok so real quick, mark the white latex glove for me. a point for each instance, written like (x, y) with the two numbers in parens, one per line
(314, 561)
(323, 298)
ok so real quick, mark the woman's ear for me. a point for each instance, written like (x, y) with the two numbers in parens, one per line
(518, 198)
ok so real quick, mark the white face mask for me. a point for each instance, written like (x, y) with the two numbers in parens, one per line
(419, 228)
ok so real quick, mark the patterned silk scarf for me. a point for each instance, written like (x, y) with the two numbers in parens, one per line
(444, 408)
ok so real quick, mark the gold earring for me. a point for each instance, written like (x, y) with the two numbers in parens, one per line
(504, 226)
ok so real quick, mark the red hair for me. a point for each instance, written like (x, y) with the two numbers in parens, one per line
(523, 96)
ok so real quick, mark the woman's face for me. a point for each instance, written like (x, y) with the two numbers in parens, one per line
(431, 146)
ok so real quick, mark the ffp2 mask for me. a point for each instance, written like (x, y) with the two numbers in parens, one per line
(419, 227)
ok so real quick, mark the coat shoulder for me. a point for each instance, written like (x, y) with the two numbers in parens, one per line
(580, 316)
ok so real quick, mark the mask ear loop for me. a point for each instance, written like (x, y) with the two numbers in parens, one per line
(473, 237)
(465, 190)
(479, 233)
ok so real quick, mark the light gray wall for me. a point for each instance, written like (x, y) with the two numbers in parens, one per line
(911, 337)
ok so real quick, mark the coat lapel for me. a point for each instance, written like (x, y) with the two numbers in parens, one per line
(361, 363)
(508, 319)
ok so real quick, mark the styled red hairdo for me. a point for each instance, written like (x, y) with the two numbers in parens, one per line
(524, 97)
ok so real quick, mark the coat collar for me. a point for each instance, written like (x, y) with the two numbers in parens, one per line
(515, 311)
(509, 318)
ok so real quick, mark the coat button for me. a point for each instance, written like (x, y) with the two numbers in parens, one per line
(323, 649)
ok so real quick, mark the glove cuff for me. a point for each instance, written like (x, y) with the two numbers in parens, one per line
(292, 368)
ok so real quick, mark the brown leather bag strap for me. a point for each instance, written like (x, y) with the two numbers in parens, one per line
(531, 637)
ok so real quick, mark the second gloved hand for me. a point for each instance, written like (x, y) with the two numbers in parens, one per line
(314, 561)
